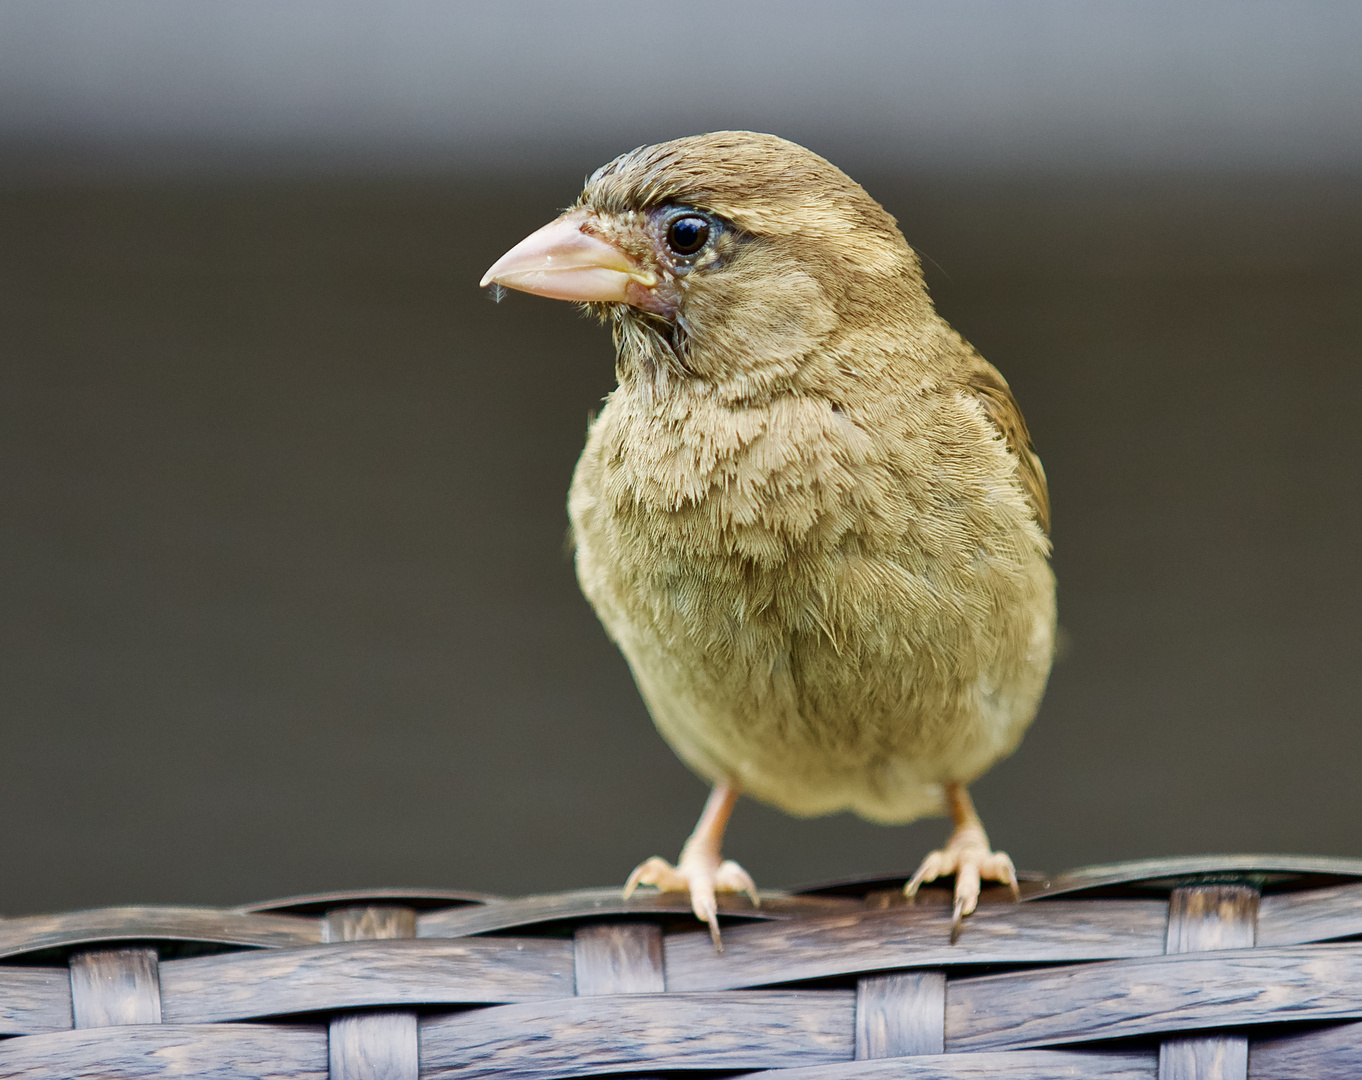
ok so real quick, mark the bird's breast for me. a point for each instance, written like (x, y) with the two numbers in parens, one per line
(792, 594)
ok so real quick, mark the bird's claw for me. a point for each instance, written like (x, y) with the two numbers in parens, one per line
(702, 877)
(967, 856)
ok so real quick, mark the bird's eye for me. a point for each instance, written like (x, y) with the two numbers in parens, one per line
(687, 235)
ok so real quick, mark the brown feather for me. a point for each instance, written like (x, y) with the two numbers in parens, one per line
(1002, 409)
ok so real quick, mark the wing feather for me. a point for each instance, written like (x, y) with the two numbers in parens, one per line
(992, 392)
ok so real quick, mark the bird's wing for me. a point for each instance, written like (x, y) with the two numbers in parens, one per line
(992, 392)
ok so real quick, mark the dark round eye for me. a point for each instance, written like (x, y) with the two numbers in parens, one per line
(687, 235)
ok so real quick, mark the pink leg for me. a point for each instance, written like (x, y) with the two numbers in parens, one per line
(967, 856)
(700, 871)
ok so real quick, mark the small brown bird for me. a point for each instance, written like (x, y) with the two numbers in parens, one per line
(810, 515)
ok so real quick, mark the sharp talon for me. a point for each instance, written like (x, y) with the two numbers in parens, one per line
(733, 878)
(635, 878)
(701, 875)
(967, 857)
(1010, 874)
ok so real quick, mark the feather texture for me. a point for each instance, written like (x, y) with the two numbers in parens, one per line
(810, 514)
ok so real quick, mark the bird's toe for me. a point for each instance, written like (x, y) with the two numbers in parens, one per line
(659, 873)
(935, 865)
(967, 856)
(731, 877)
(702, 878)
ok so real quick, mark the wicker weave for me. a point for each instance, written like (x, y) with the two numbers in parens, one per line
(1208, 967)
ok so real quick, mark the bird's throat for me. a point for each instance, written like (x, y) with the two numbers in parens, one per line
(648, 358)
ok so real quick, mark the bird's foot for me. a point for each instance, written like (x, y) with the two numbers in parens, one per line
(702, 875)
(967, 856)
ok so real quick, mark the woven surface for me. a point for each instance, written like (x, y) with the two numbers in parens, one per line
(1214, 967)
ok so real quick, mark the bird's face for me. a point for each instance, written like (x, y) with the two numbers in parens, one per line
(729, 257)
(640, 258)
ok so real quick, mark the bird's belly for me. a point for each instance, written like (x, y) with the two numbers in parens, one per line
(815, 726)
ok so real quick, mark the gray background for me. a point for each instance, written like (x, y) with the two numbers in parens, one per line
(283, 599)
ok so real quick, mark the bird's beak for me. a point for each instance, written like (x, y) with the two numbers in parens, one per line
(563, 262)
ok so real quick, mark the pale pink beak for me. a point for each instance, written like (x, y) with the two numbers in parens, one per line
(562, 262)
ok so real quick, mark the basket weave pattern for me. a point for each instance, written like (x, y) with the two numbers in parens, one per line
(1180, 968)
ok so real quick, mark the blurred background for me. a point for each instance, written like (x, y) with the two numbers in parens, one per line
(284, 604)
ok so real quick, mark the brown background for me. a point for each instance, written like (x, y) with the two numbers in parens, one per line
(283, 598)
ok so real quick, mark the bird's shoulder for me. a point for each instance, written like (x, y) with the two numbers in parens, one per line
(981, 381)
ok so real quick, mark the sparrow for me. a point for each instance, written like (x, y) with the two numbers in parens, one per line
(810, 514)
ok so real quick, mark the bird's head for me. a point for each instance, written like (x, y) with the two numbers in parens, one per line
(731, 257)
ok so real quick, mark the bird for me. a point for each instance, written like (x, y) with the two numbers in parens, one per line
(810, 514)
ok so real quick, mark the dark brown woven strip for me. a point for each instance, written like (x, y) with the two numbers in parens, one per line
(1298, 918)
(916, 936)
(1280, 870)
(275, 1052)
(587, 1036)
(369, 922)
(355, 975)
(618, 958)
(901, 1014)
(1203, 918)
(1332, 1053)
(372, 1045)
(110, 987)
(34, 932)
(595, 903)
(34, 999)
(1004, 1065)
(220, 1051)
(1176, 993)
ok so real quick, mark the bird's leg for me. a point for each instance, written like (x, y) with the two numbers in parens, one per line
(700, 871)
(967, 856)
